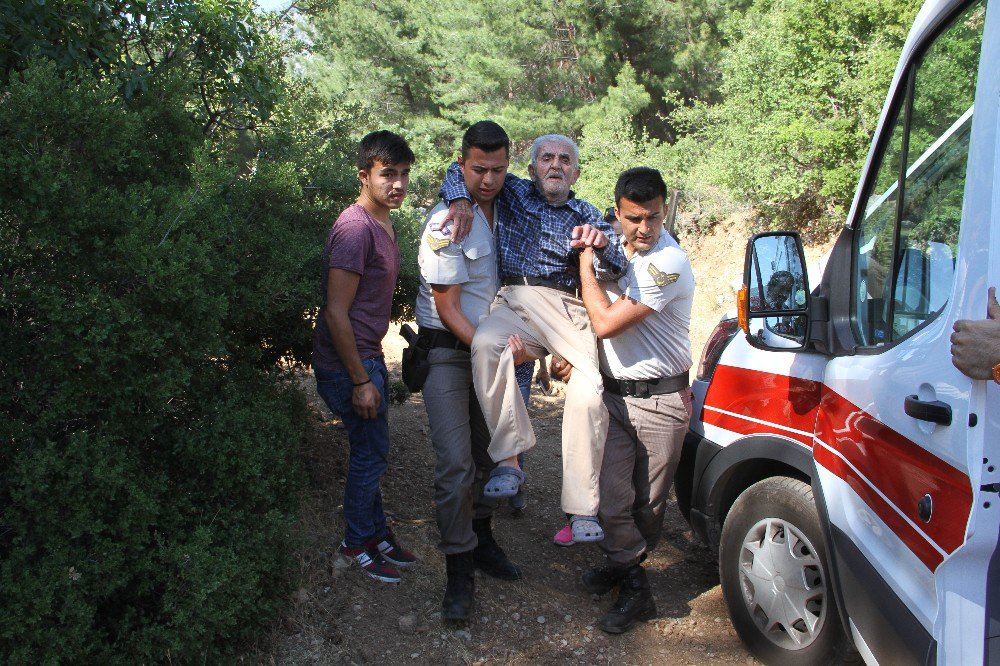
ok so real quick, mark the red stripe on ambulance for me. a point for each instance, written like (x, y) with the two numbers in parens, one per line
(747, 427)
(913, 540)
(900, 470)
(903, 471)
(787, 401)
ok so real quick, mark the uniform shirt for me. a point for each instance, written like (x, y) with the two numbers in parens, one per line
(471, 263)
(659, 345)
(359, 244)
(533, 235)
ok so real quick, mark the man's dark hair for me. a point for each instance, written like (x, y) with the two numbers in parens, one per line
(779, 288)
(385, 147)
(487, 136)
(640, 184)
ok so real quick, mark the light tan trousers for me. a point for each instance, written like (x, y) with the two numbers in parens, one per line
(551, 321)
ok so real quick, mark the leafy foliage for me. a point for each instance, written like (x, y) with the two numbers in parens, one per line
(803, 85)
(433, 68)
(161, 224)
(408, 223)
(762, 103)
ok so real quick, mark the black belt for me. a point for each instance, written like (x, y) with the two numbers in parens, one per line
(436, 337)
(524, 281)
(639, 388)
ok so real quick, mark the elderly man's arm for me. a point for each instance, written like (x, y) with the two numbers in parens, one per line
(975, 344)
(453, 187)
(609, 319)
(454, 193)
(609, 259)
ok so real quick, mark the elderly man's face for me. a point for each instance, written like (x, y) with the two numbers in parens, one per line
(554, 171)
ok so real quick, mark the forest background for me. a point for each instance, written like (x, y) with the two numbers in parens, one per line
(168, 172)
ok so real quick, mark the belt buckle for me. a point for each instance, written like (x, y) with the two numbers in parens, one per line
(640, 389)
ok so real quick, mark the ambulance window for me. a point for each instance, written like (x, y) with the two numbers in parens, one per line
(874, 253)
(907, 238)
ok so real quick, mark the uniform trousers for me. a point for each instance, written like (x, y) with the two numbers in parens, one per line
(645, 438)
(548, 320)
(460, 439)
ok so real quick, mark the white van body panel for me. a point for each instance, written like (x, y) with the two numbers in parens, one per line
(872, 461)
(962, 587)
(885, 550)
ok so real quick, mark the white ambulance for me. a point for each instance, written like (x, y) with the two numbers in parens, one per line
(847, 472)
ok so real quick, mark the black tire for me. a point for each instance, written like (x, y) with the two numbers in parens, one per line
(774, 571)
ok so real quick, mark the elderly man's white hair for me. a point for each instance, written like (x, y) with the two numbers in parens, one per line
(561, 138)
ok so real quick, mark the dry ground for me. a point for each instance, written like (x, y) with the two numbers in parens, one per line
(339, 616)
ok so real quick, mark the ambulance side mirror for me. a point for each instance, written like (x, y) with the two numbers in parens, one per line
(773, 304)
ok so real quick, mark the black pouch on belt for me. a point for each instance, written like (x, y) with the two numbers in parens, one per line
(415, 363)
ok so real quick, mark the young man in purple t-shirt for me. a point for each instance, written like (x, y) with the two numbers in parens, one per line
(361, 264)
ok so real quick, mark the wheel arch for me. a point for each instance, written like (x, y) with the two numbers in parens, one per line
(736, 467)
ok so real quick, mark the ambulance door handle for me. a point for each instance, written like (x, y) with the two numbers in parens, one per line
(934, 411)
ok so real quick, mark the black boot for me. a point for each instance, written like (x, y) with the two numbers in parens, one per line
(460, 592)
(634, 603)
(489, 556)
(601, 580)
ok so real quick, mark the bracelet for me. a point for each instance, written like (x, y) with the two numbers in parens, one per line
(367, 381)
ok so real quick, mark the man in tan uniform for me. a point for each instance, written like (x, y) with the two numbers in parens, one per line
(643, 320)
(458, 281)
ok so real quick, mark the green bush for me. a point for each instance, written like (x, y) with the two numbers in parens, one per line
(408, 223)
(152, 274)
(802, 87)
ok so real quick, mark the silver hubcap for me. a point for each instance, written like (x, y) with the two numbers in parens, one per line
(783, 584)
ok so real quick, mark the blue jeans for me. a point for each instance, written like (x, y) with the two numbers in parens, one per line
(369, 457)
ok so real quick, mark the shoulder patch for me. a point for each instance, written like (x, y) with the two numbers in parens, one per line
(438, 235)
(437, 242)
(662, 279)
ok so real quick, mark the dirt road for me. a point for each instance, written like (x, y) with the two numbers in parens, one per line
(340, 616)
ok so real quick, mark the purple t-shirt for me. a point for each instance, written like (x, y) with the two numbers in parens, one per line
(359, 244)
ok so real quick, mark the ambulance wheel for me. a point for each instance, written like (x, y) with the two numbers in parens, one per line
(772, 562)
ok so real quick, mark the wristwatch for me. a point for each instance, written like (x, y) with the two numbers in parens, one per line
(996, 373)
